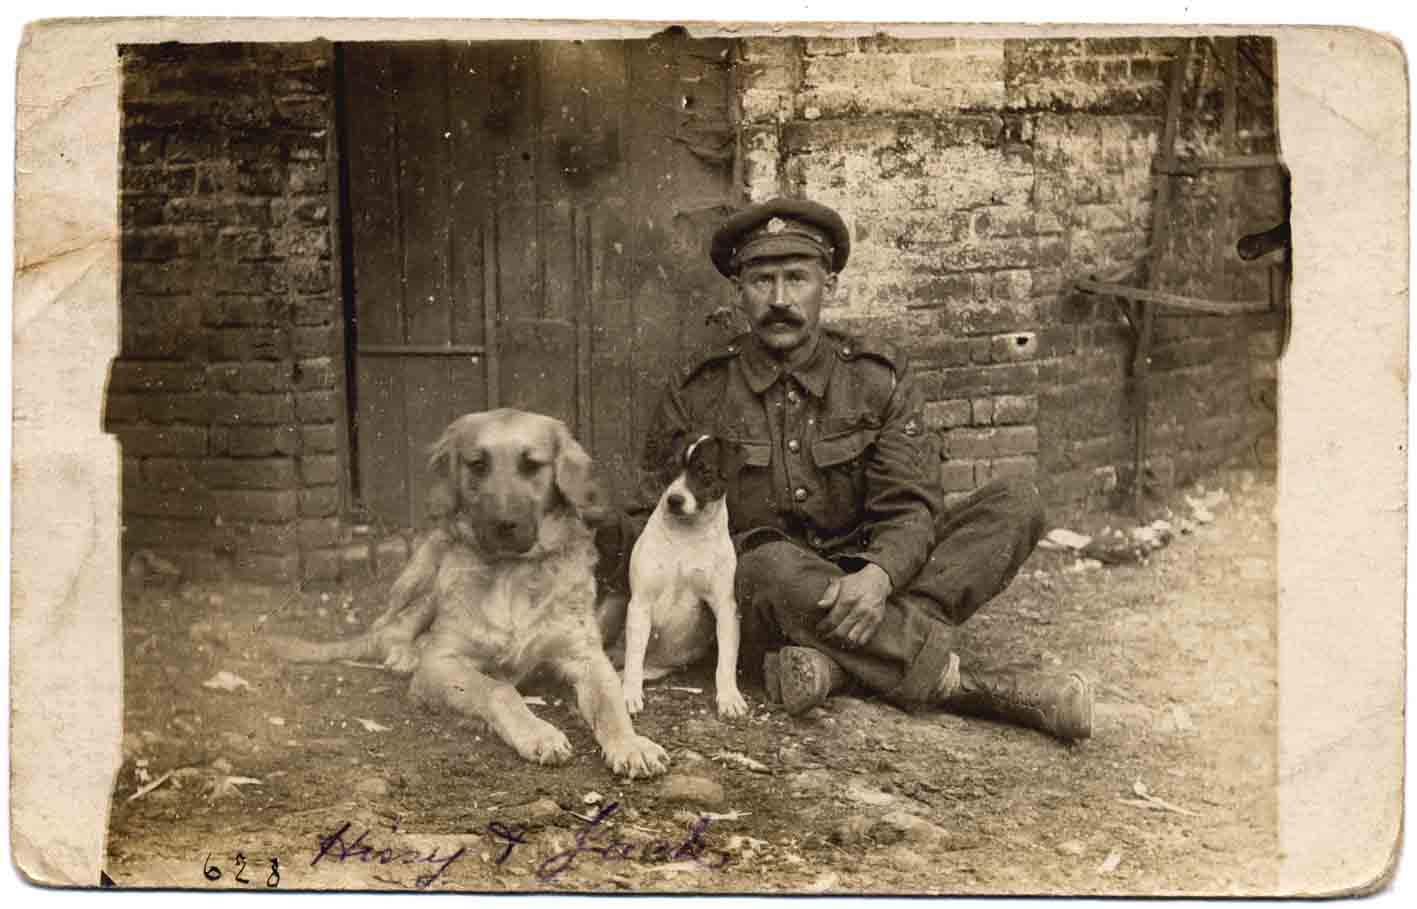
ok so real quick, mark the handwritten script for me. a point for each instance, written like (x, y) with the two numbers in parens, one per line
(594, 840)
(336, 847)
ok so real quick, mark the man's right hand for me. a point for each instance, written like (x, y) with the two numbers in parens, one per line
(858, 604)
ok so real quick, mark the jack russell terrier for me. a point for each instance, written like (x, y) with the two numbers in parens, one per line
(681, 584)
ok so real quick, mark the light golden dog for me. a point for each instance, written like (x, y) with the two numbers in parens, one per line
(509, 581)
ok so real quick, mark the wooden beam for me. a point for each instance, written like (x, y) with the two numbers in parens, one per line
(1160, 229)
(1192, 167)
(1173, 301)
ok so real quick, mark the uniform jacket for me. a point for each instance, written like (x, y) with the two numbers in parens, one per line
(833, 454)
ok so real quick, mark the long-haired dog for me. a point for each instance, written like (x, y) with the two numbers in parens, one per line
(510, 589)
(681, 584)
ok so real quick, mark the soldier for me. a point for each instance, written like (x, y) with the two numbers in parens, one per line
(849, 565)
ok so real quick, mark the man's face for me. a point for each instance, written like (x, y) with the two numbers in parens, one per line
(782, 300)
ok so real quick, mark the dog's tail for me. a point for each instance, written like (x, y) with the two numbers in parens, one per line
(299, 650)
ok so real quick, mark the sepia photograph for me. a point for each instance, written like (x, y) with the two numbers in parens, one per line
(700, 459)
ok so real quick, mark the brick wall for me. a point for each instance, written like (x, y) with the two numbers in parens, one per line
(980, 178)
(226, 397)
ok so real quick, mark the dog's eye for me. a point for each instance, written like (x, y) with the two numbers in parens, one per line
(476, 466)
(531, 464)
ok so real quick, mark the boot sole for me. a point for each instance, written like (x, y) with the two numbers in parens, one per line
(802, 683)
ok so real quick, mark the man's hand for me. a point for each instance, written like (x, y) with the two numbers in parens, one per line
(858, 603)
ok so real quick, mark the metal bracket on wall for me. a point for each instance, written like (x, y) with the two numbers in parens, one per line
(1140, 305)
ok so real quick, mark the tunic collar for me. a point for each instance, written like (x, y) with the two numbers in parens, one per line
(762, 370)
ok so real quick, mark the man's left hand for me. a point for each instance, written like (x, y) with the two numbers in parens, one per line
(858, 603)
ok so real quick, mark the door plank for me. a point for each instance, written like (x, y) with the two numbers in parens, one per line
(424, 140)
(470, 192)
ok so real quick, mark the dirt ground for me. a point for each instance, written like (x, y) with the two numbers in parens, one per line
(331, 772)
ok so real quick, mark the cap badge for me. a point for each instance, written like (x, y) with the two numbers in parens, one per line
(775, 226)
(912, 428)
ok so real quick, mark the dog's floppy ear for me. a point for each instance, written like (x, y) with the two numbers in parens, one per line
(573, 474)
(443, 492)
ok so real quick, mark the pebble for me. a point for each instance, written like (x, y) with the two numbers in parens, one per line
(862, 794)
(903, 858)
(1071, 847)
(851, 831)
(542, 809)
(902, 825)
(693, 790)
(374, 786)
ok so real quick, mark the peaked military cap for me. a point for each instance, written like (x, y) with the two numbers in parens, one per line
(780, 227)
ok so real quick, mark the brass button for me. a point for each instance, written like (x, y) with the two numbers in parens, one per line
(800, 494)
(846, 351)
(791, 397)
(794, 446)
(816, 540)
(733, 348)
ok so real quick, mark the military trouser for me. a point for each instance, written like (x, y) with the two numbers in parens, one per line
(980, 543)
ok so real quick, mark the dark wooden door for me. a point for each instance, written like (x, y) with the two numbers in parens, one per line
(528, 225)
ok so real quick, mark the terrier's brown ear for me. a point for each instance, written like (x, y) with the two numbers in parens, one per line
(573, 474)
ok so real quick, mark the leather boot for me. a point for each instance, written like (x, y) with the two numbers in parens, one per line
(1056, 703)
(801, 678)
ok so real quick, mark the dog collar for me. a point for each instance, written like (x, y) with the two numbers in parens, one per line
(689, 452)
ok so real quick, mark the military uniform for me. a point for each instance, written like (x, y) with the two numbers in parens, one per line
(829, 466)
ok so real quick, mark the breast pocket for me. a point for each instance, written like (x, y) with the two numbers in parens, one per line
(841, 460)
(748, 470)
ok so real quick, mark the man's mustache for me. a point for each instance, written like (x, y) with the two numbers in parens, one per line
(789, 319)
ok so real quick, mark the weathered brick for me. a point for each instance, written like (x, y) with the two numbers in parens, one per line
(969, 444)
(321, 565)
(254, 441)
(253, 409)
(171, 473)
(268, 566)
(1008, 348)
(319, 438)
(315, 341)
(249, 473)
(957, 476)
(1004, 378)
(314, 311)
(1014, 409)
(155, 375)
(146, 441)
(268, 506)
(982, 411)
(319, 501)
(946, 414)
(828, 47)
(152, 501)
(316, 470)
(261, 376)
(319, 533)
(1014, 468)
(317, 406)
(1011, 440)
(317, 374)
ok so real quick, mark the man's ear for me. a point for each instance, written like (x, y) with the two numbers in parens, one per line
(829, 283)
(573, 474)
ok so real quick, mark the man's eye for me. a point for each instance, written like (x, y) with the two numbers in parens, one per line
(475, 465)
(532, 465)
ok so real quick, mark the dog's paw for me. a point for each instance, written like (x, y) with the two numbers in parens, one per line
(731, 704)
(636, 756)
(544, 745)
(634, 699)
(402, 658)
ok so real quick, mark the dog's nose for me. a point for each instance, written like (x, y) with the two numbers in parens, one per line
(676, 502)
(505, 529)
